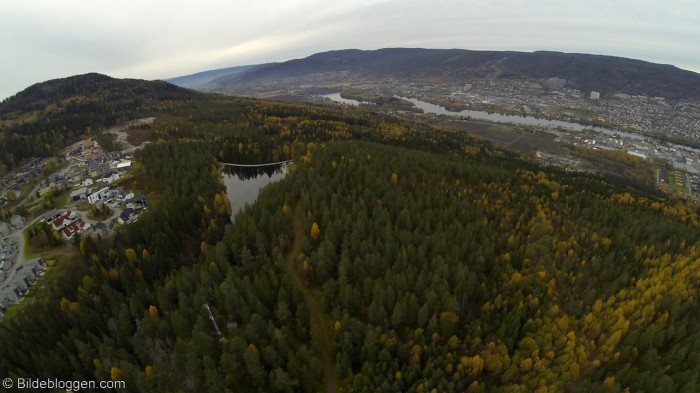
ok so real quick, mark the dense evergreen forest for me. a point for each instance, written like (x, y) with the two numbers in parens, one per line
(393, 257)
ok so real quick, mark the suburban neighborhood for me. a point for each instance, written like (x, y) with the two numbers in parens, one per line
(71, 196)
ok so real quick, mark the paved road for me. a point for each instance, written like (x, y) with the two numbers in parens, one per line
(18, 235)
(84, 215)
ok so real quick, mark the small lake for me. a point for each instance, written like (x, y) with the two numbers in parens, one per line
(243, 184)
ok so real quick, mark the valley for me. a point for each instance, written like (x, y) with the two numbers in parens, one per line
(398, 251)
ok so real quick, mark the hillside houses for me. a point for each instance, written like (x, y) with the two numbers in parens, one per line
(79, 194)
(8, 255)
(109, 177)
(4, 228)
(99, 195)
(16, 223)
(64, 219)
(68, 224)
(137, 202)
(100, 230)
(127, 216)
(69, 231)
(51, 215)
(16, 284)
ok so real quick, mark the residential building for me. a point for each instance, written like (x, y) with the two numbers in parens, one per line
(17, 221)
(110, 177)
(99, 195)
(25, 275)
(5, 228)
(51, 215)
(66, 218)
(126, 216)
(125, 164)
(137, 202)
(101, 230)
(79, 194)
(69, 232)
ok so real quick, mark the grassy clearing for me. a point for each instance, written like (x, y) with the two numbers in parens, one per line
(139, 136)
(673, 180)
(139, 182)
(83, 207)
(580, 114)
(511, 136)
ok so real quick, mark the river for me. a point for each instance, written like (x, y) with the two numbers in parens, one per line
(498, 117)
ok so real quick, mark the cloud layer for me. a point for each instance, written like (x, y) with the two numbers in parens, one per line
(156, 39)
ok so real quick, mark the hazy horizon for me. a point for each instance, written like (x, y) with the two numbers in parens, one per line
(45, 40)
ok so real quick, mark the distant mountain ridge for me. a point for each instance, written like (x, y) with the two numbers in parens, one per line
(606, 74)
(200, 79)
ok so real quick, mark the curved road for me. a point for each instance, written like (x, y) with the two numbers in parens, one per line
(18, 235)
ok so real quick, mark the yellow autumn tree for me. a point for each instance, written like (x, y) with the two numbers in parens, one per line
(130, 254)
(115, 373)
(315, 231)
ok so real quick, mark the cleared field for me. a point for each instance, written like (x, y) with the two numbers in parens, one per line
(139, 136)
(673, 180)
(513, 137)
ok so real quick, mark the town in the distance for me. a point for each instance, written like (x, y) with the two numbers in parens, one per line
(650, 130)
(542, 104)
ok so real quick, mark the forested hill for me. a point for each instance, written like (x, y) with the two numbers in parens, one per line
(393, 257)
(45, 116)
(581, 71)
(81, 90)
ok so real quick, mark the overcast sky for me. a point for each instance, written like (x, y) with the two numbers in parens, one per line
(42, 39)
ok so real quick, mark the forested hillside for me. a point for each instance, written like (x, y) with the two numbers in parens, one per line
(393, 257)
(584, 72)
(47, 116)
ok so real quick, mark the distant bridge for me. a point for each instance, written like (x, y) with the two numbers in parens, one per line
(255, 165)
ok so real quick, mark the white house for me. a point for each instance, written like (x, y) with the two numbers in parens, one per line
(99, 195)
(124, 164)
(87, 182)
(110, 177)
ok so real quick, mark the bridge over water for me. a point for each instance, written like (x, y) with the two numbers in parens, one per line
(255, 165)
